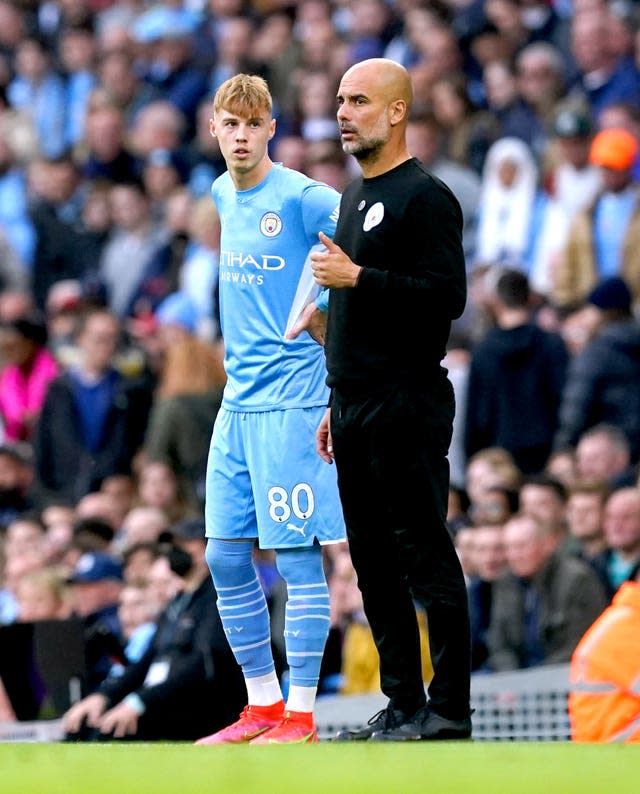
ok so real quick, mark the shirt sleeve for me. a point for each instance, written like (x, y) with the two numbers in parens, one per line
(320, 205)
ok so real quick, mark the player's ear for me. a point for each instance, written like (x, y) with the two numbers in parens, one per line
(212, 128)
(272, 128)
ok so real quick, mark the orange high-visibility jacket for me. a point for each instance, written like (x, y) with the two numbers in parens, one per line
(604, 703)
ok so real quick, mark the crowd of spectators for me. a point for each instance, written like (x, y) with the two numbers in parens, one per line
(111, 354)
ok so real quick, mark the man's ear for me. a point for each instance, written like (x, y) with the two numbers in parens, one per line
(272, 128)
(397, 112)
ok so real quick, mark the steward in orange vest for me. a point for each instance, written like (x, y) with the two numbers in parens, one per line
(604, 703)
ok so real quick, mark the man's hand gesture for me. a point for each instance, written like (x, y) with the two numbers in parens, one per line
(333, 268)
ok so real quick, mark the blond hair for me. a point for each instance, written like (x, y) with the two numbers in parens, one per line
(502, 462)
(51, 579)
(243, 94)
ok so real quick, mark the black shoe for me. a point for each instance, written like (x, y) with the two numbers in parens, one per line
(383, 721)
(426, 725)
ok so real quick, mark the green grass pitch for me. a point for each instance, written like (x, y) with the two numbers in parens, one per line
(326, 768)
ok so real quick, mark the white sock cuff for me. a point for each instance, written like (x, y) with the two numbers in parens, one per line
(301, 698)
(263, 690)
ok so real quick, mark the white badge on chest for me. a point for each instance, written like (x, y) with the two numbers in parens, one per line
(374, 215)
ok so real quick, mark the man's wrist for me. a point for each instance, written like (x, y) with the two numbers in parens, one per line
(358, 274)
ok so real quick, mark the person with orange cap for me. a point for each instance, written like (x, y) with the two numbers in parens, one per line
(604, 239)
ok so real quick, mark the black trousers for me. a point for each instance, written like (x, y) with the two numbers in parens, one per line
(390, 452)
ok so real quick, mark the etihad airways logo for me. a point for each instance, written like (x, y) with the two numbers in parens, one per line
(234, 259)
(239, 268)
(236, 277)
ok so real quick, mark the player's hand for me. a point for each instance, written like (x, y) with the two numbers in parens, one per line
(311, 320)
(88, 709)
(120, 721)
(324, 444)
(333, 268)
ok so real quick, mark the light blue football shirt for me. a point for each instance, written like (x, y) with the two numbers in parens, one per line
(265, 281)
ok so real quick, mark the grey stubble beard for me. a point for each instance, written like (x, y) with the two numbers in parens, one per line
(367, 150)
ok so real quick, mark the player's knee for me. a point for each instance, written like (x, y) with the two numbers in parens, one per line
(300, 566)
(225, 557)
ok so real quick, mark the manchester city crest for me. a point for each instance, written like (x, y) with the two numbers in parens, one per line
(270, 224)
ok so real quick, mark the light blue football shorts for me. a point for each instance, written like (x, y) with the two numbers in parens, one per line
(265, 480)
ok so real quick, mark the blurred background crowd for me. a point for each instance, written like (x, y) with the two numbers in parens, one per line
(110, 350)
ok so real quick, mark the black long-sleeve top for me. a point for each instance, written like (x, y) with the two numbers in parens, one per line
(404, 228)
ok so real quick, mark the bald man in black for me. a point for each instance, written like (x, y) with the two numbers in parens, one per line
(397, 278)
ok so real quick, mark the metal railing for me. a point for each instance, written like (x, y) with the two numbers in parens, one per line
(525, 705)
